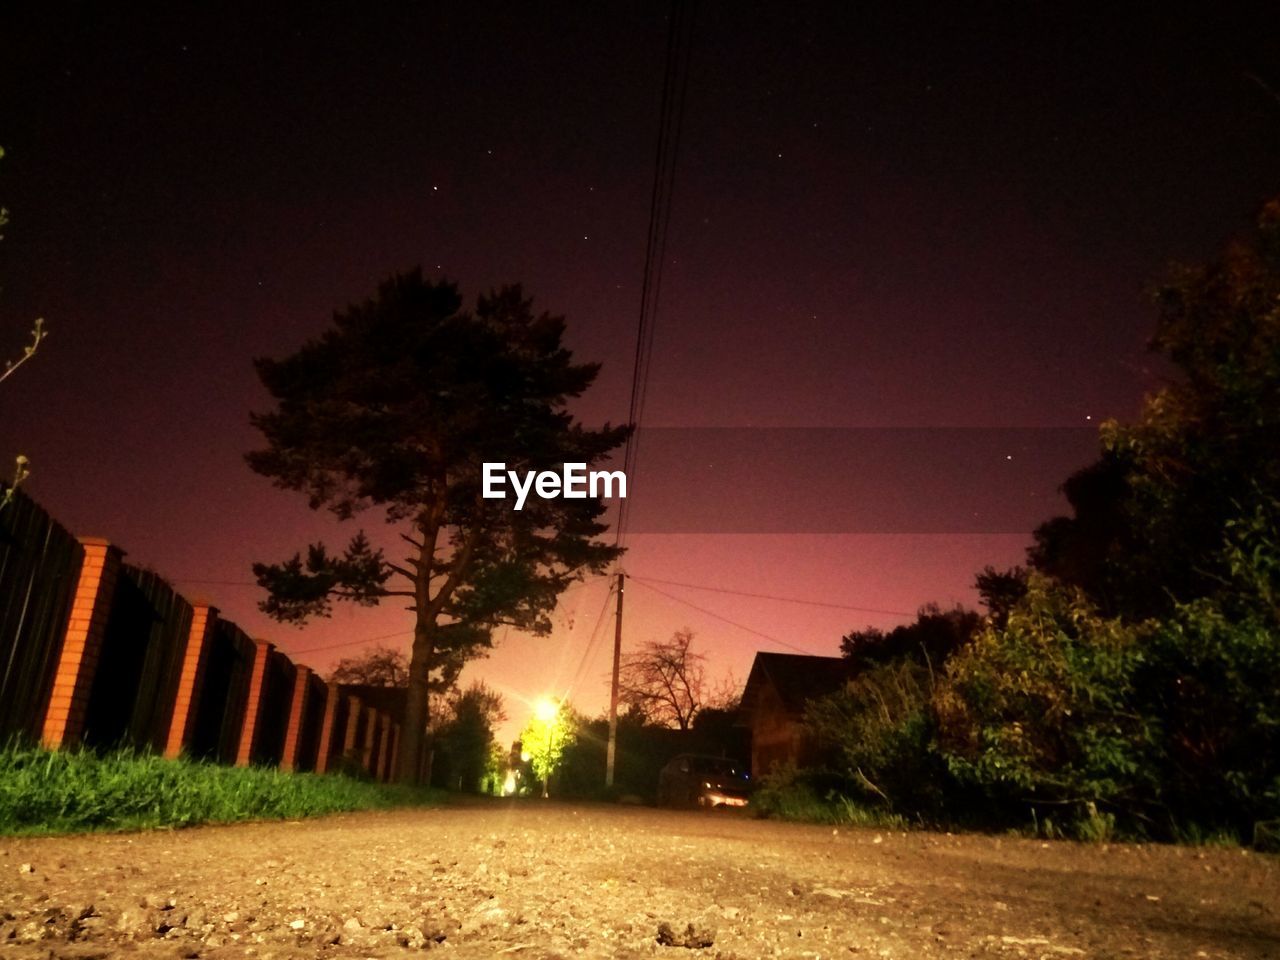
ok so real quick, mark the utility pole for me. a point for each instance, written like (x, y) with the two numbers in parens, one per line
(613, 692)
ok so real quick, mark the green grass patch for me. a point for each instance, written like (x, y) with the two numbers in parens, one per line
(74, 791)
(790, 799)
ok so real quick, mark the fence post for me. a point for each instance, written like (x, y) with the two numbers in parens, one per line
(187, 702)
(355, 710)
(393, 762)
(64, 718)
(297, 717)
(370, 732)
(384, 749)
(331, 696)
(253, 708)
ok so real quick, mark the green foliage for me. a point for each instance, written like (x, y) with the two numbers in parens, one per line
(1148, 518)
(1158, 728)
(551, 730)
(1130, 685)
(812, 797)
(464, 740)
(1041, 711)
(66, 791)
(1157, 698)
(879, 729)
(1212, 683)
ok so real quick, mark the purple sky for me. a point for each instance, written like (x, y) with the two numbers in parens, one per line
(926, 219)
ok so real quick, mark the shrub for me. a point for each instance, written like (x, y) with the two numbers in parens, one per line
(813, 796)
(1212, 683)
(1041, 712)
(879, 731)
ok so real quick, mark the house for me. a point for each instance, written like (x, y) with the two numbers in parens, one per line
(773, 703)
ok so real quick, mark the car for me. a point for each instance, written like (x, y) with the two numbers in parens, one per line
(695, 780)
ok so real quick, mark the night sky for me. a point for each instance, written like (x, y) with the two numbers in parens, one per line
(936, 219)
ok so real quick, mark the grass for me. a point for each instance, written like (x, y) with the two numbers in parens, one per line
(74, 791)
(800, 802)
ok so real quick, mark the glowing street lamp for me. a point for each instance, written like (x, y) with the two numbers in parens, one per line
(546, 737)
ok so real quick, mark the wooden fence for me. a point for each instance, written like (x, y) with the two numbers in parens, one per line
(98, 653)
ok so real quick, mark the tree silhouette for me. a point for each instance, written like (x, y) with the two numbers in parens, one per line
(396, 407)
(21, 469)
(377, 667)
(931, 638)
(999, 590)
(1147, 521)
(465, 735)
(665, 681)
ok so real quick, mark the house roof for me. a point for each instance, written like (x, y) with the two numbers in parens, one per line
(796, 678)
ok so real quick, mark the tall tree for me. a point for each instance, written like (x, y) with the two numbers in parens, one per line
(396, 407)
(666, 681)
(1148, 518)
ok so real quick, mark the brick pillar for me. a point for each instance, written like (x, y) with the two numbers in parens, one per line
(370, 739)
(384, 749)
(331, 698)
(297, 717)
(253, 706)
(182, 723)
(64, 718)
(355, 711)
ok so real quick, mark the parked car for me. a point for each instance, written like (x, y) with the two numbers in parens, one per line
(693, 780)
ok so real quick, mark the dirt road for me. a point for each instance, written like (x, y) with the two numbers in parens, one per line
(540, 879)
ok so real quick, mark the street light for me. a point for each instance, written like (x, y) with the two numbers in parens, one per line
(547, 710)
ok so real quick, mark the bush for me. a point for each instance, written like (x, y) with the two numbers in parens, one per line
(813, 796)
(1212, 684)
(1041, 712)
(1162, 728)
(879, 733)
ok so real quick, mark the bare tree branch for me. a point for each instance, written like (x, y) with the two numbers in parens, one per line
(665, 681)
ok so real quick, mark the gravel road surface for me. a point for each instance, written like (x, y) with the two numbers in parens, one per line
(533, 879)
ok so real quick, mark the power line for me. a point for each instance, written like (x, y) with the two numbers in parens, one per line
(675, 86)
(732, 623)
(409, 633)
(254, 583)
(352, 643)
(591, 641)
(214, 583)
(768, 596)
